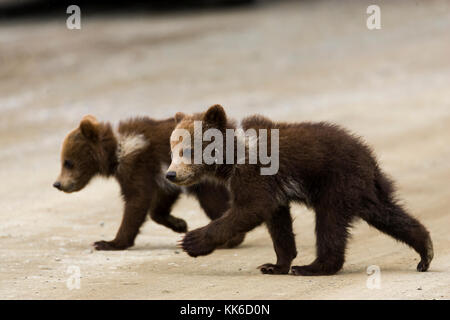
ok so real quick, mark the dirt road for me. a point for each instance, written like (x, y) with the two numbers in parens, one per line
(306, 60)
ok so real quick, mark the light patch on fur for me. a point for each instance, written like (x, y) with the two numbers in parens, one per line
(130, 144)
(291, 190)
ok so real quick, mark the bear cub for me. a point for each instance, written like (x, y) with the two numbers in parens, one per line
(320, 165)
(136, 155)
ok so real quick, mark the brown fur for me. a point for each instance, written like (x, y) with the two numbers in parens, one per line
(136, 157)
(320, 165)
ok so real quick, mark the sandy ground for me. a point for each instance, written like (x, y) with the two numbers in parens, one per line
(308, 60)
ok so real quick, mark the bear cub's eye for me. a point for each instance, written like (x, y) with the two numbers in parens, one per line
(68, 164)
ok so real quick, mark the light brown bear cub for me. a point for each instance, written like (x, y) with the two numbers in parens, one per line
(137, 155)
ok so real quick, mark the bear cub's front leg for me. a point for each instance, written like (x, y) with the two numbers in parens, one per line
(133, 218)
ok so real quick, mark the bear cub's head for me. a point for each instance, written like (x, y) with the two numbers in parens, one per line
(185, 170)
(83, 155)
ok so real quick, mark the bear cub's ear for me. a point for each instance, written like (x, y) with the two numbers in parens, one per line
(178, 117)
(90, 128)
(216, 116)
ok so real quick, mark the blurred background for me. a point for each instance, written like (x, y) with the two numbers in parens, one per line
(307, 60)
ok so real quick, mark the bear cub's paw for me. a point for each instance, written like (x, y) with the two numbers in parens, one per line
(270, 268)
(196, 244)
(178, 225)
(314, 270)
(108, 246)
(423, 266)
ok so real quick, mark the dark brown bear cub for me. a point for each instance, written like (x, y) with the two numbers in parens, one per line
(320, 165)
(137, 155)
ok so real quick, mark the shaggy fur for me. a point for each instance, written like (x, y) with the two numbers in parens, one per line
(137, 155)
(322, 166)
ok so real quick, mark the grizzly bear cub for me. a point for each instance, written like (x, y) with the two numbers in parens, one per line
(320, 165)
(137, 155)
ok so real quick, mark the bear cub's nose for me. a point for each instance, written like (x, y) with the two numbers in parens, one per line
(171, 175)
(57, 185)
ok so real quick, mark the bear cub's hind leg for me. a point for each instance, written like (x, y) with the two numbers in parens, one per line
(331, 240)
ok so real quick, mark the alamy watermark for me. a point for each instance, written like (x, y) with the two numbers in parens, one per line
(374, 20)
(74, 20)
(237, 144)
(374, 279)
(74, 280)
